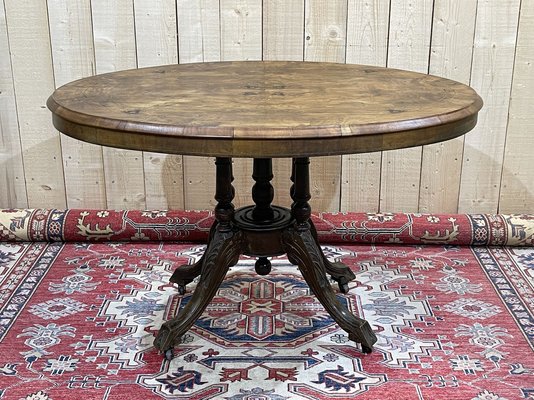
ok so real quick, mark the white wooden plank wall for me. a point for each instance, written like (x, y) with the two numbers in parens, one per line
(115, 49)
(283, 40)
(241, 39)
(491, 75)
(199, 40)
(12, 182)
(517, 179)
(367, 43)
(325, 33)
(410, 30)
(33, 81)
(74, 58)
(487, 44)
(156, 44)
(452, 44)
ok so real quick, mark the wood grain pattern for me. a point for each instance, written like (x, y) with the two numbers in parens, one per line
(247, 119)
(283, 30)
(113, 26)
(517, 188)
(325, 30)
(12, 181)
(156, 44)
(367, 43)
(452, 44)
(199, 31)
(409, 46)
(251, 109)
(33, 79)
(241, 22)
(71, 34)
(493, 60)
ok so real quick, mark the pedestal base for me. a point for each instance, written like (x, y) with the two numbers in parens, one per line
(262, 231)
(302, 249)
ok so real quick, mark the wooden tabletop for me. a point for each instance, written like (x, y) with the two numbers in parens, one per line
(264, 109)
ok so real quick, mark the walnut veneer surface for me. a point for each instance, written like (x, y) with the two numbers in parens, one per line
(264, 109)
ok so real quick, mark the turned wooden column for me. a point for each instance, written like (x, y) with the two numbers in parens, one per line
(300, 192)
(224, 194)
(262, 191)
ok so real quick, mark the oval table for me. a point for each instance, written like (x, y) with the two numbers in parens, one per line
(263, 110)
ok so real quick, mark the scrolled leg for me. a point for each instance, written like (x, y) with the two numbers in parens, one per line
(339, 272)
(222, 253)
(300, 194)
(301, 247)
(185, 274)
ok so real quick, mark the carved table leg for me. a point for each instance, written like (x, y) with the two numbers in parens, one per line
(337, 270)
(222, 252)
(231, 236)
(185, 274)
(302, 248)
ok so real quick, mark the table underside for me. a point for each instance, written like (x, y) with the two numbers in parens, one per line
(262, 230)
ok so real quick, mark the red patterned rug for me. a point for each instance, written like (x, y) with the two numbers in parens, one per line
(453, 311)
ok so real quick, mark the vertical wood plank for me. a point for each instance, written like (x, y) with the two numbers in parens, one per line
(283, 39)
(367, 42)
(13, 192)
(156, 42)
(367, 32)
(114, 40)
(409, 44)
(71, 34)
(241, 30)
(241, 39)
(48, 164)
(517, 185)
(325, 40)
(326, 30)
(199, 31)
(198, 41)
(155, 33)
(491, 76)
(450, 57)
(31, 61)
(283, 30)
